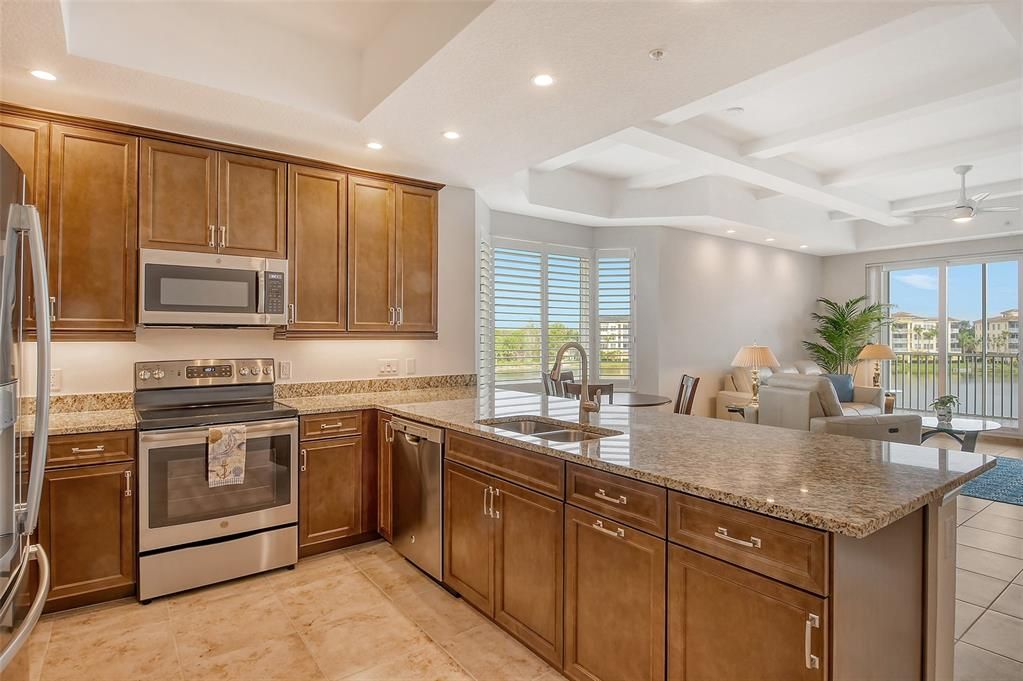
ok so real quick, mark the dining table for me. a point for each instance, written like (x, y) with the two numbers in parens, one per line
(630, 399)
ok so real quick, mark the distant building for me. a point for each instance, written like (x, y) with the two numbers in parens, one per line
(915, 333)
(1002, 331)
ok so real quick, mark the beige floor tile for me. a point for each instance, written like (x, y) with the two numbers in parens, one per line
(369, 551)
(977, 664)
(1019, 579)
(985, 520)
(349, 643)
(1012, 453)
(1002, 634)
(966, 615)
(489, 654)
(990, 541)
(395, 577)
(1005, 510)
(972, 503)
(978, 589)
(1010, 602)
(438, 613)
(964, 514)
(313, 569)
(276, 659)
(987, 563)
(332, 595)
(428, 662)
(37, 645)
(112, 653)
(207, 629)
(121, 614)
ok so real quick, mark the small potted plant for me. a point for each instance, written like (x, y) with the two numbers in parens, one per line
(943, 407)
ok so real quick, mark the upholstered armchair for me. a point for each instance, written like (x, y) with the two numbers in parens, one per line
(738, 384)
(906, 428)
(796, 401)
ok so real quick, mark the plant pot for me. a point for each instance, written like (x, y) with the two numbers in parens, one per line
(944, 414)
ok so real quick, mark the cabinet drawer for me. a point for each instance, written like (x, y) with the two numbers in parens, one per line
(785, 551)
(77, 450)
(535, 471)
(330, 425)
(628, 501)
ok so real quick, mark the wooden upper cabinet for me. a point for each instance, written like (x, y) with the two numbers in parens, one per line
(371, 236)
(251, 206)
(178, 197)
(317, 249)
(93, 232)
(416, 258)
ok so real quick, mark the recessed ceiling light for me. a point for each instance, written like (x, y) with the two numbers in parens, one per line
(803, 246)
(657, 54)
(44, 75)
(729, 231)
(770, 238)
(451, 135)
(543, 80)
(735, 110)
(375, 146)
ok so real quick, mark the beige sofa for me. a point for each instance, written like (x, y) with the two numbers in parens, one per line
(738, 384)
(797, 401)
(907, 428)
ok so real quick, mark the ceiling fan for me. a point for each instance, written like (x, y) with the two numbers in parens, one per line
(967, 208)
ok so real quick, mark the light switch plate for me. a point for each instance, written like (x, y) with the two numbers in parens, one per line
(410, 366)
(284, 369)
(56, 379)
(387, 367)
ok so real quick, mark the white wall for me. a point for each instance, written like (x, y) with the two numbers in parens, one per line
(103, 367)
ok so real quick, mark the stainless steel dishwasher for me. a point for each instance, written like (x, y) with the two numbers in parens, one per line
(417, 485)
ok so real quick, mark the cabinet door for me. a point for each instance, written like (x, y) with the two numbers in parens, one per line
(329, 492)
(416, 258)
(251, 206)
(28, 143)
(371, 278)
(468, 536)
(317, 249)
(93, 231)
(385, 507)
(529, 544)
(87, 526)
(725, 621)
(177, 197)
(614, 601)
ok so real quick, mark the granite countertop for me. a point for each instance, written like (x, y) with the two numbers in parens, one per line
(70, 422)
(840, 484)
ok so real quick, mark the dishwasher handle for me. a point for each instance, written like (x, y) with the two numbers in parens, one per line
(415, 433)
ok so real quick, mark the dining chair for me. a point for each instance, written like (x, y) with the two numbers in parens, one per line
(550, 387)
(686, 394)
(574, 390)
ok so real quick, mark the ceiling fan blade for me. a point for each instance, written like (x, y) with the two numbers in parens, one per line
(977, 198)
(932, 215)
(997, 209)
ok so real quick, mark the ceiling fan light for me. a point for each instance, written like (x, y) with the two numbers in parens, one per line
(966, 218)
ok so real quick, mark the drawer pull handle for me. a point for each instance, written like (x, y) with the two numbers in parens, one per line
(305, 460)
(89, 450)
(598, 525)
(753, 543)
(127, 483)
(812, 622)
(332, 426)
(601, 494)
(213, 238)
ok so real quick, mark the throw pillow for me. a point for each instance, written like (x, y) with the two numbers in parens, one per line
(843, 386)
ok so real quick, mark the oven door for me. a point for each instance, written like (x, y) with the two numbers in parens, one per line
(176, 504)
(206, 289)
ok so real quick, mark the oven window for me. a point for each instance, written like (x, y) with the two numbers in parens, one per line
(179, 492)
(179, 288)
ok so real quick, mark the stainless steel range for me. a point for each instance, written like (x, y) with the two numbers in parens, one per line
(192, 533)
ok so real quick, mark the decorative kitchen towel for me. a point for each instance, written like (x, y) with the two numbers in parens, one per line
(226, 457)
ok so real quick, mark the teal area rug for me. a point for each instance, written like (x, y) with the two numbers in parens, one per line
(1002, 483)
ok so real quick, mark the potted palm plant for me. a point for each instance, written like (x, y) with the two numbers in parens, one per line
(943, 407)
(844, 328)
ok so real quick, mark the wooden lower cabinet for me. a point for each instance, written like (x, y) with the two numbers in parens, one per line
(87, 527)
(468, 536)
(330, 486)
(614, 601)
(725, 622)
(385, 506)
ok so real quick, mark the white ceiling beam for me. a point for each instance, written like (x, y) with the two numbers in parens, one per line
(665, 177)
(950, 91)
(839, 216)
(721, 157)
(575, 155)
(997, 190)
(962, 151)
(864, 42)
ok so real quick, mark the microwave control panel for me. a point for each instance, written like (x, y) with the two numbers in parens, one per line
(274, 287)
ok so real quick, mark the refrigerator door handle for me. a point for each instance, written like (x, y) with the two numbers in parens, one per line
(34, 235)
(22, 634)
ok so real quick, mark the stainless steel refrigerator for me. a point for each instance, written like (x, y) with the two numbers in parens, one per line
(22, 593)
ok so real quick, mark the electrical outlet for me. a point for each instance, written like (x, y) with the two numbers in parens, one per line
(410, 366)
(284, 369)
(387, 367)
(56, 379)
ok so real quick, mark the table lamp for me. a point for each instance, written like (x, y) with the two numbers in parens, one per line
(876, 352)
(753, 357)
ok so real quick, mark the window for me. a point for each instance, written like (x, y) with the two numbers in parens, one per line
(537, 297)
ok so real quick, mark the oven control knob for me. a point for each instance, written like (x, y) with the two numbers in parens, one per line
(268, 370)
(158, 374)
(145, 375)
(244, 371)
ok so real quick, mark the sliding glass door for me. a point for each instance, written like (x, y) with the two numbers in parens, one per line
(955, 329)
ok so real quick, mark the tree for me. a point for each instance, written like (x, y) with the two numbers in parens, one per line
(844, 329)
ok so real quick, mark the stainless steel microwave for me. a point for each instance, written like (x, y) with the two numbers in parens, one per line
(177, 288)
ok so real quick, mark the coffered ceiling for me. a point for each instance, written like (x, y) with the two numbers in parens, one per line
(852, 113)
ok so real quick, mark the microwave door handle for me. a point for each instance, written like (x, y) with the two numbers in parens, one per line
(260, 291)
(34, 236)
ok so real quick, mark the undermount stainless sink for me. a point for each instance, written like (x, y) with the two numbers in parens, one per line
(557, 431)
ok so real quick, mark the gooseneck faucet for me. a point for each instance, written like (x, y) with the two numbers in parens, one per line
(586, 405)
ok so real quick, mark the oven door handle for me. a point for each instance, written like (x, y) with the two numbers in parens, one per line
(199, 435)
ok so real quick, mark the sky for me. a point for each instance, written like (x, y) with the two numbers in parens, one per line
(916, 290)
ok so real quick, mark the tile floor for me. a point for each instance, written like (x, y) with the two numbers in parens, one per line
(363, 613)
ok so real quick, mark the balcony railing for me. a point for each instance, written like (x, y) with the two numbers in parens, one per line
(987, 385)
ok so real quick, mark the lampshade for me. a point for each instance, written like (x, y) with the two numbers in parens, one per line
(876, 351)
(754, 356)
